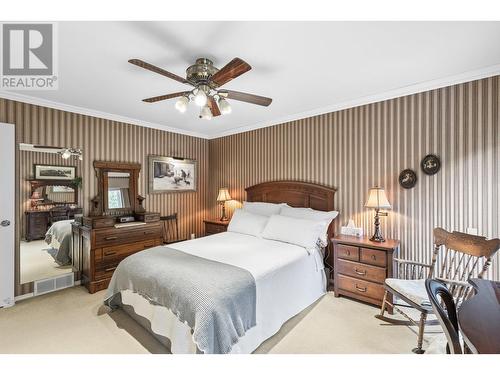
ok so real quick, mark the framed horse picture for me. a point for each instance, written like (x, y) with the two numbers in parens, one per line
(169, 174)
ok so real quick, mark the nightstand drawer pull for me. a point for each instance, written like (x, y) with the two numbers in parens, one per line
(110, 269)
(111, 238)
(361, 273)
(109, 253)
(360, 289)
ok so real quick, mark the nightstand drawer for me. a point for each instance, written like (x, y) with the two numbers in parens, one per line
(372, 256)
(361, 271)
(361, 287)
(348, 252)
(214, 228)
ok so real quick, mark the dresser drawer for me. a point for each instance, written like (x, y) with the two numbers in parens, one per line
(361, 271)
(361, 287)
(109, 253)
(372, 256)
(347, 252)
(214, 228)
(112, 237)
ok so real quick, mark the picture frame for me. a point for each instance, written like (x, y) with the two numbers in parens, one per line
(168, 174)
(407, 179)
(54, 172)
(430, 164)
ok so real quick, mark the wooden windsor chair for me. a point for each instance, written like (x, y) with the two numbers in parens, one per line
(465, 256)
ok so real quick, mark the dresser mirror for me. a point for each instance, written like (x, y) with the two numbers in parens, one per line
(44, 193)
(117, 188)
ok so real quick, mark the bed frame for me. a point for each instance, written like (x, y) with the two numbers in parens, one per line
(296, 194)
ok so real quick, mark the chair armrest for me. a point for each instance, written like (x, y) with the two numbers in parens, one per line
(455, 282)
(404, 261)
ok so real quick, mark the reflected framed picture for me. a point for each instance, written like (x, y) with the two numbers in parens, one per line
(54, 172)
(168, 174)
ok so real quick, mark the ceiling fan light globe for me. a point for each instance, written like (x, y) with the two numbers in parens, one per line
(206, 113)
(181, 104)
(200, 98)
(66, 154)
(224, 106)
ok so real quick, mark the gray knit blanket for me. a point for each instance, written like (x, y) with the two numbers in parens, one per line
(217, 300)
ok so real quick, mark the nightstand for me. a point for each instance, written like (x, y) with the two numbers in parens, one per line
(215, 226)
(361, 267)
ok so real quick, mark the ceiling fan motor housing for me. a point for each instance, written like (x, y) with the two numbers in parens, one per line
(201, 71)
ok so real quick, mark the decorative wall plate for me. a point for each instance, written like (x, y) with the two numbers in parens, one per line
(430, 164)
(407, 179)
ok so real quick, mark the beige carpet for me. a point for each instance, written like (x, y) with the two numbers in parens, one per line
(37, 263)
(74, 321)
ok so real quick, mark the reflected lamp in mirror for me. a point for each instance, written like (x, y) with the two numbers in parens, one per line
(378, 201)
(35, 198)
(222, 198)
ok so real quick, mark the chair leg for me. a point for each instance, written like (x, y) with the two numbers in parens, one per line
(421, 328)
(384, 302)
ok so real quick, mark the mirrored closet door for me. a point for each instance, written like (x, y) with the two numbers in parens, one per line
(49, 201)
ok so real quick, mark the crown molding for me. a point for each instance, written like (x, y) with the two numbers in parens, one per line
(473, 75)
(94, 113)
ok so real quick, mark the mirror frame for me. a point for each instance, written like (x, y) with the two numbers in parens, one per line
(99, 203)
(35, 184)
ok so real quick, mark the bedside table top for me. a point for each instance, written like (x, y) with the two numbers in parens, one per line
(216, 221)
(364, 241)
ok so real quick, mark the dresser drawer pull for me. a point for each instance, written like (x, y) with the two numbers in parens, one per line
(110, 253)
(111, 238)
(348, 252)
(149, 232)
(360, 289)
(110, 269)
(374, 257)
(362, 273)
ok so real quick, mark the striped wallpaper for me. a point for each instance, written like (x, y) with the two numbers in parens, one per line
(108, 140)
(357, 148)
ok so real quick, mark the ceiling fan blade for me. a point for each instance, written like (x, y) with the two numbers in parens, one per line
(214, 108)
(233, 69)
(244, 97)
(161, 71)
(164, 97)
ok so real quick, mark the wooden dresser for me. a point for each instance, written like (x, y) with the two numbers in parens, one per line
(215, 226)
(361, 267)
(102, 246)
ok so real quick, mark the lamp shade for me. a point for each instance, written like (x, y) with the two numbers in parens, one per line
(223, 195)
(36, 195)
(377, 199)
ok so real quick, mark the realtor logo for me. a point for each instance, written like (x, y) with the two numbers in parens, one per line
(28, 56)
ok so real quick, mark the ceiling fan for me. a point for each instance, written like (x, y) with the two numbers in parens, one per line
(206, 80)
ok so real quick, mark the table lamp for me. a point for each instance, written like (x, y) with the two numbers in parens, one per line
(35, 197)
(377, 200)
(222, 198)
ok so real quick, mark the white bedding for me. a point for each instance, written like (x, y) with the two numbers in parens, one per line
(288, 279)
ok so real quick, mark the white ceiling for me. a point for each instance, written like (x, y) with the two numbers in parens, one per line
(306, 67)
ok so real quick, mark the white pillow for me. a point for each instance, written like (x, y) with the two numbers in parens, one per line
(247, 223)
(309, 214)
(263, 208)
(299, 232)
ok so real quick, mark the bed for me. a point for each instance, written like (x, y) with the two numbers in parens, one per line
(287, 279)
(58, 237)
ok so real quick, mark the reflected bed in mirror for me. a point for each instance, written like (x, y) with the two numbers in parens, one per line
(118, 190)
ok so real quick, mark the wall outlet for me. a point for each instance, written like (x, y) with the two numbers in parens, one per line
(472, 231)
(193, 236)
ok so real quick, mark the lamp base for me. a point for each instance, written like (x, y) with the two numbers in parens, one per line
(223, 217)
(377, 236)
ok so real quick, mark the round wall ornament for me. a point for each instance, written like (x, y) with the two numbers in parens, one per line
(407, 178)
(430, 164)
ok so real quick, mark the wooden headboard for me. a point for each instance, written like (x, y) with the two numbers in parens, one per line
(295, 194)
